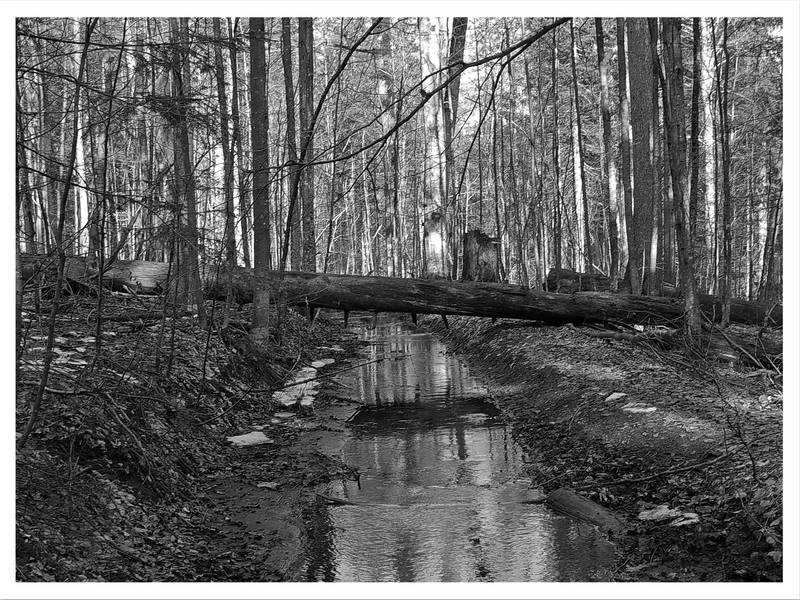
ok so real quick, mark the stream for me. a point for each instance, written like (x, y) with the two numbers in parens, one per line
(442, 494)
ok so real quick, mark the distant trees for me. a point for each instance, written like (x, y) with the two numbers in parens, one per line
(361, 153)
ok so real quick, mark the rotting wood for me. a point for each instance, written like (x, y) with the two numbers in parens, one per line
(575, 505)
(421, 296)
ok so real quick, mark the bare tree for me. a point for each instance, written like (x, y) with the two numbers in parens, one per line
(609, 166)
(192, 289)
(305, 53)
(641, 79)
(258, 136)
(675, 121)
(291, 138)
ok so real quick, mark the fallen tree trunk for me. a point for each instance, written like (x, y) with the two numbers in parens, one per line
(417, 296)
(569, 282)
(566, 501)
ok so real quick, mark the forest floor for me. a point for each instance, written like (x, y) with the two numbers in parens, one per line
(128, 475)
(637, 428)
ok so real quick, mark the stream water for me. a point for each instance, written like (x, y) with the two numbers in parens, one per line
(441, 495)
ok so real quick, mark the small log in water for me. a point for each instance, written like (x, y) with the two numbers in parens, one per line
(566, 501)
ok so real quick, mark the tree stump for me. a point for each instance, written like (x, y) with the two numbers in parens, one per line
(481, 257)
(436, 266)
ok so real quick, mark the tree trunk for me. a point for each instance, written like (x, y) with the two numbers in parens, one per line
(295, 232)
(766, 288)
(481, 257)
(625, 146)
(434, 236)
(556, 163)
(694, 144)
(423, 296)
(24, 195)
(449, 112)
(583, 237)
(709, 154)
(49, 148)
(244, 205)
(675, 122)
(641, 77)
(659, 247)
(305, 53)
(227, 153)
(432, 196)
(184, 177)
(608, 164)
(726, 279)
(260, 149)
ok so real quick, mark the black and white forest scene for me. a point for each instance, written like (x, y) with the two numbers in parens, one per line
(322, 298)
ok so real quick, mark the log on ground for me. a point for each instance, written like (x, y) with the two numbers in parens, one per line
(568, 502)
(419, 296)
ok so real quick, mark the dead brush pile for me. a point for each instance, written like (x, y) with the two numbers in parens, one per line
(130, 420)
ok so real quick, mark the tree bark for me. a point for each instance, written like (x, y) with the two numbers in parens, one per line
(694, 144)
(455, 56)
(556, 163)
(625, 147)
(608, 163)
(227, 153)
(675, 122)
(432, 191)
(726, 279)
(641, 76)
(24, 195)
(709, 154)
(244, 205)
(184, 178)
(481, 257)
(583, 237)
(260, 148)
(305, 52)
(295, 232)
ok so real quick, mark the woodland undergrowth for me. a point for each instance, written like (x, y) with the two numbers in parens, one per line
(130, 425)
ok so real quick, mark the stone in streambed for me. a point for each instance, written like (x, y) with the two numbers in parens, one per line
(253, 438)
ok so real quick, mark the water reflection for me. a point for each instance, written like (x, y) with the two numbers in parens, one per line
(421, 374)
(440, 497)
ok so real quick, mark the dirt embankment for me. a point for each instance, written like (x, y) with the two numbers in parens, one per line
(689, 452)
(127, 475)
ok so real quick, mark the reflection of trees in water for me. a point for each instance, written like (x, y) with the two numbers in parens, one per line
(432, 431)
(425, 371)
(577, 550)
(404, 555)
(320, 545)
